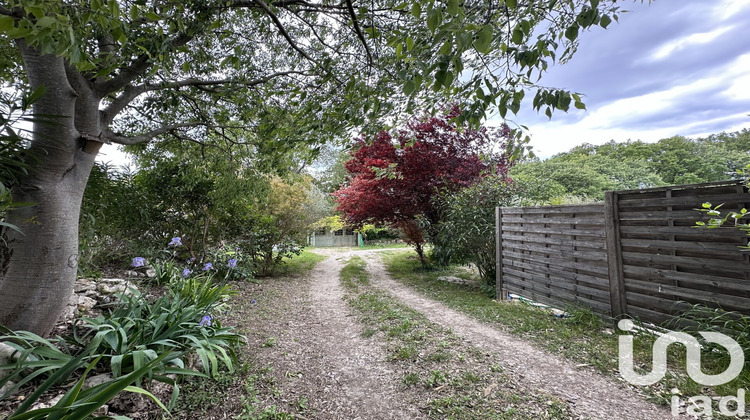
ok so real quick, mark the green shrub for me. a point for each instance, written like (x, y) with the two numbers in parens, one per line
(466, 232)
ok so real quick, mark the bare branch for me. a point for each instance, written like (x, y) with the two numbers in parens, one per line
(109, 136)
(287, 4)
(350, 7)
(137, 68)
(282, 30)
(131, 92)
(120, 102)
(203, 82)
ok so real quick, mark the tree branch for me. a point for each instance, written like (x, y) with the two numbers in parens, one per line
(361, 37)
(282, 30)
(137, 68)
(286, 4)
(7, 12)
(122, 100)
(202, 82)
(109, 136)
(131, 92)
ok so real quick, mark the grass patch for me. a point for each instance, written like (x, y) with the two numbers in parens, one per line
(453, 379)
(583, 338)
(297, 265)
(354, 273)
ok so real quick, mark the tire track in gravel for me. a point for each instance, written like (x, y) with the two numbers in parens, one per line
(357, 382)
(590, 394)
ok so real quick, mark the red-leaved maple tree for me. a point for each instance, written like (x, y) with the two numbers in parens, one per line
(393, 180)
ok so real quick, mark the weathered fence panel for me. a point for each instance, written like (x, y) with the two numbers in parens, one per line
(556, 254)
(638, 254)
(666, 259)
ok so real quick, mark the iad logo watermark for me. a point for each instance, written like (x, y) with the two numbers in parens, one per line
(698, 405)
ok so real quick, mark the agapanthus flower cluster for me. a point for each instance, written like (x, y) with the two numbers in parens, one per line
(138, 262)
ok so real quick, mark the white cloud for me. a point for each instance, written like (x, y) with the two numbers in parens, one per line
(605, 123)
(737, 72)
(553, 138)
(677, 45)
(729, 8)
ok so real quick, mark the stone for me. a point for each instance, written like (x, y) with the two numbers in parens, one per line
(115, 286)
(70, 310)
(129, 402)
(47, 404)
(6, 354)
(84, 285)
(452, 279)
(131, 273)
(96, 380)
(195, 363)
(85, 304)
(150, 273)
(5, 388)
(78, 304)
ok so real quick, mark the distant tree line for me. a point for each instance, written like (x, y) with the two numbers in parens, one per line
(585, 172)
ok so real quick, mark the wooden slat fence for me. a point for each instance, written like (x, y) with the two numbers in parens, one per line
(638, 254)
(554, 254)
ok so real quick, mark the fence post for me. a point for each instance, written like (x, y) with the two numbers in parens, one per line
(499, 289)
(614, 256)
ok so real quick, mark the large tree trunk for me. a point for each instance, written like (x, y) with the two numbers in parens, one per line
(38, 267)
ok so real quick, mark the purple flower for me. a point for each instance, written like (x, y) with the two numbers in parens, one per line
(205, 321)
(232, 263)
(208, 266)
(176, 241)
(191, 260)
(186, 272)
(252, 301)
(138, 262)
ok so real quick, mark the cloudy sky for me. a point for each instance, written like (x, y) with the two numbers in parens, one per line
(674, 67)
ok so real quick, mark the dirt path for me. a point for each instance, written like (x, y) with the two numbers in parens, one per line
(345, 376)
(590, 394)
(320, 366)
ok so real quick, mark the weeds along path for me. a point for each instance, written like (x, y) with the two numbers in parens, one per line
(353, 379)
(590, 394)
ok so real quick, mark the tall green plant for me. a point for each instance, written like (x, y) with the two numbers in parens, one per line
(732, 324)
(466, 232)
(49, 363)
